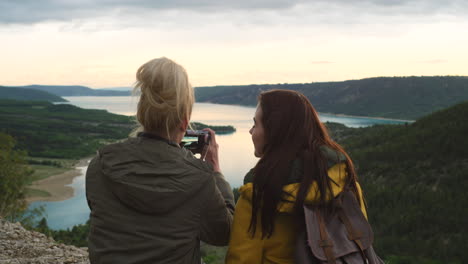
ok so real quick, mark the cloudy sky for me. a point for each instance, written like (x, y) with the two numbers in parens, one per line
(101, 43)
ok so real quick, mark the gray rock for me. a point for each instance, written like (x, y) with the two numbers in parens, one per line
(20, 246)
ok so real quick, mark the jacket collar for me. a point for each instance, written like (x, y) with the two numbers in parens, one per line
(156, 137)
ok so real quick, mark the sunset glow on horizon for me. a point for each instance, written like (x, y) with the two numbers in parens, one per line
(102, 43)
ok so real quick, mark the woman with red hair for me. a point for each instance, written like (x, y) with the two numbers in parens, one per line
(299, 164)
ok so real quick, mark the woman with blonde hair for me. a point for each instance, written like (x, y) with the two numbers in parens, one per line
(299, 164)
(152, 201)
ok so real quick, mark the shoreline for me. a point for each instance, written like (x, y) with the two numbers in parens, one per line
(57, 185)
(372, 117)
(326, 113)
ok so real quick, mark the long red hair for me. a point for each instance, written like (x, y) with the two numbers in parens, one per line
(292, 131)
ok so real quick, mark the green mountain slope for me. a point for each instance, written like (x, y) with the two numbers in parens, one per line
(75, 90)
(391, 97)
(67, 131)
(415, 181)
(60, 131)
(28, 94)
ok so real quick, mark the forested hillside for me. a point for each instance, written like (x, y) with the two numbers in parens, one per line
(391, 97)
(66, 131)
(28, 94)
(415, 181)
(60, 131)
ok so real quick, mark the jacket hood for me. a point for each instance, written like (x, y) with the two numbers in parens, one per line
(151, 176)
(336, 172)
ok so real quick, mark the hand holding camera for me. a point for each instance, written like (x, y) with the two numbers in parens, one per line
(205, 145)
(200, 140)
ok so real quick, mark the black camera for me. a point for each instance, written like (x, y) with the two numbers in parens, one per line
(194, 140)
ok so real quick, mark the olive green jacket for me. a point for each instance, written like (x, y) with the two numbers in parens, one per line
(152, 202)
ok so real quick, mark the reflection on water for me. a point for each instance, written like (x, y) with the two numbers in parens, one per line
(354, 121)
(235, 150)
(122, 105)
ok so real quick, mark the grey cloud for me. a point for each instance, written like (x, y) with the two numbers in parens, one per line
(33, 11)
(30, 11)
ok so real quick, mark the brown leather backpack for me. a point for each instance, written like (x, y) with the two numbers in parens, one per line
(344, 236)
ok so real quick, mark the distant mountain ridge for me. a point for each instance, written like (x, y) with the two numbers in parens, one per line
(74, 90)
(28, 94)
(390, 97)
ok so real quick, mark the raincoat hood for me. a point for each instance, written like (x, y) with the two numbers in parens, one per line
(143, 175)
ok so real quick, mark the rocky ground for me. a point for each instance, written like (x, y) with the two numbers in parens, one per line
(20, 246)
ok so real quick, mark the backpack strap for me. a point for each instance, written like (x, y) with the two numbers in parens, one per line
(353, 234)
(325, 243)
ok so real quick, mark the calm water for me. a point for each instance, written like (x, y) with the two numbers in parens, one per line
(235, 150)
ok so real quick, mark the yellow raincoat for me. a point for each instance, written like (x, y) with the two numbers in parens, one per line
(279, 248)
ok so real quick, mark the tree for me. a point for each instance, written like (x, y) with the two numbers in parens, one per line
(43, 227)
(14, 175)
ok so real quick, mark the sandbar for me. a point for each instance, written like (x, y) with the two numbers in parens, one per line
(56, 185)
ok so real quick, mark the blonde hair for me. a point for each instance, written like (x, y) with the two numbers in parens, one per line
(166, 96)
